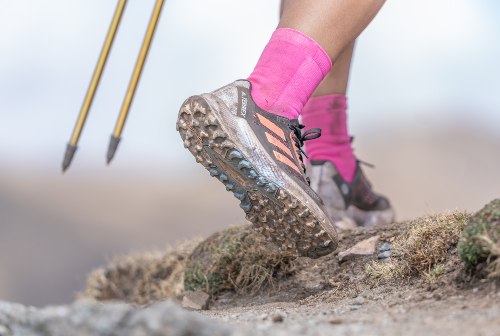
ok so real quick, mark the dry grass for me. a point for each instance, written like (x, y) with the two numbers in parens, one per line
(384, 271)
(434, 273)
(236, 259)
(424, 244)
(141, 278)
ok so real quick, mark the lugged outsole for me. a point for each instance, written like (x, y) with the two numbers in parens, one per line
(273, 211)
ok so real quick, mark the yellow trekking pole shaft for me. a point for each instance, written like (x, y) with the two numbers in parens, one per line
(94, 83)
(127, 102)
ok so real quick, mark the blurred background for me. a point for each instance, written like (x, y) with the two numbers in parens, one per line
(424, 102)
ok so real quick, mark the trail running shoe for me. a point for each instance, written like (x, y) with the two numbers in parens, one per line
(355, 200)
(257, 155)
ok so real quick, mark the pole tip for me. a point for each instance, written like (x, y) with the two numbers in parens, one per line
(68, 156)
(113, 146)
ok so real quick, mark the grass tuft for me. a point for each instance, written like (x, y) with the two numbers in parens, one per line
(236, 259)
(431, 276)
(141, 278)
(421, 248)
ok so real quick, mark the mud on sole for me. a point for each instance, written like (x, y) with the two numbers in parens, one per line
(273, 211)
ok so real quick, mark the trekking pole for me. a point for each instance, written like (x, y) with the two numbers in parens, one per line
(94, 83)
(120, 123)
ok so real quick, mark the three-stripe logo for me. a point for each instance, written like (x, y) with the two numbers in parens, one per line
(277, 137)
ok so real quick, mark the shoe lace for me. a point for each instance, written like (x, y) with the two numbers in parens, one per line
(299, 138)
(365, 163)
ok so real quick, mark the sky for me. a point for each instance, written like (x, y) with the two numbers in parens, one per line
(419, 62)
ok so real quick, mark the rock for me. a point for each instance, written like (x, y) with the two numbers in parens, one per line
(196, 300)
(480, 242)
(86, 318)
(386, 246)
(384, 255)
(277, 318)
(336, 321)
(364, 248)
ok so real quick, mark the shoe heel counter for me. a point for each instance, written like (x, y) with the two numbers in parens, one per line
(323, 183)
(229, 94)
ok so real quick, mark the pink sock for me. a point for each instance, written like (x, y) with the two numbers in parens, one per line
(290, 68)
(330, 114)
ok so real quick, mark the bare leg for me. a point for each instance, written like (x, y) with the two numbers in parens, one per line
(337, 79)
(329, 111)
(333, 24)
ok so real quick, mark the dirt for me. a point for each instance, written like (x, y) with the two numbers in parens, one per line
(387, 310)
(430, 292)
(326, 296)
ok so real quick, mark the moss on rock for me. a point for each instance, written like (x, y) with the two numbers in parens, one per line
(481, 238)
(237, 259)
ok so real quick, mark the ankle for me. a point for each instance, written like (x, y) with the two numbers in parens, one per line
(290, 68)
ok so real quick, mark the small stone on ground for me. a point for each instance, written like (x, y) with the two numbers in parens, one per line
(196, 300)
(364, 248)
(385, 254)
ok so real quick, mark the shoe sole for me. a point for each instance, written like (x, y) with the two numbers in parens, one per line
(273, 211)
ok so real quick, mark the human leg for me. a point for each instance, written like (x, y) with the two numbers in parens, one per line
(239, 134)
(310, 34)
(333, 168)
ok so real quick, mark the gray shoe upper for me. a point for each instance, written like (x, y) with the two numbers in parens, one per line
(276, 134)
(355, 199)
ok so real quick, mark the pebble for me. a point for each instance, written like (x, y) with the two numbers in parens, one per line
(277, 318)
(196, 300)
(364, 248)
(336, 321)
(385, 254)
(386, 246)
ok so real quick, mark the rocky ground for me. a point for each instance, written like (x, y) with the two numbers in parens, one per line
(405, 278)
(384, 311)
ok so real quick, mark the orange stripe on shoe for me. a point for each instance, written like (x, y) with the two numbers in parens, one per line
(270, 125)
(280, 157)
(278, 144)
